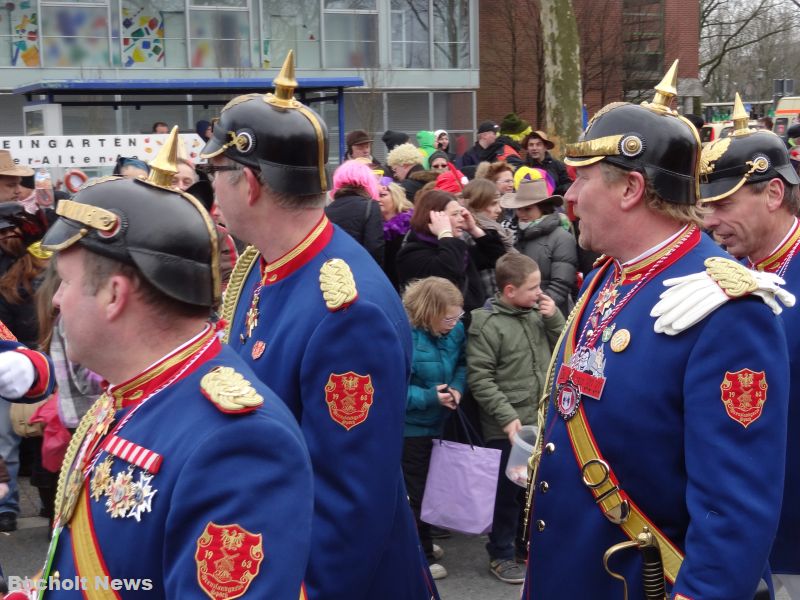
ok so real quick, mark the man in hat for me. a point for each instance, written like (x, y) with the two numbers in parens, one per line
(310, 310)
(359, 145)
(11, 176)
(750, 190)
(657, 428)
(537, 147)
(188, 477)
(487, 148)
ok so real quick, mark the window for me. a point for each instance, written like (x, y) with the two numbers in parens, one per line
(351, 33)
(411, 34)
(75, 34)
(219, 33)
(142, 34)
(290, 25)
(451, 34)
(19, 35)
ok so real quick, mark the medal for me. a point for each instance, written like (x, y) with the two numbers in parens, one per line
(608, 332)
(101, 479)
(258, 349)
(620, 340)
(120, 494)
(143, 494)
(568, 399)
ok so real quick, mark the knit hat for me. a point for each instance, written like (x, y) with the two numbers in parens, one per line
(393, 138)
(438, 154)
(793, 131)
(513, 124)
(452, 180)
(437, 133)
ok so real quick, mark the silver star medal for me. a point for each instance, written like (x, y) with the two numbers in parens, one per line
(143, 494)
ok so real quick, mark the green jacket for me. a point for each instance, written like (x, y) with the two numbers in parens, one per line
(508, 351)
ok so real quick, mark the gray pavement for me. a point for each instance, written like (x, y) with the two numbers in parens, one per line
(22, 553)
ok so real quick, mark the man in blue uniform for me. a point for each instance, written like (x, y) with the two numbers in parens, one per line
(188, 477)
(318, 321)
(750, 191)
(663, 436)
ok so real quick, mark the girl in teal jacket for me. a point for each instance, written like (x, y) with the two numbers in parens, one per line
(438, 373)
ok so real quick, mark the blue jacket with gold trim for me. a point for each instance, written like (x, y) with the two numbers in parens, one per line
(333, 341)
(186, 500)
(688, 441)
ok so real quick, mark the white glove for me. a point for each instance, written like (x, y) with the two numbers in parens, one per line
(3, 490)
(688, 300)
(769, 289)
(16, 374)
(691, 298)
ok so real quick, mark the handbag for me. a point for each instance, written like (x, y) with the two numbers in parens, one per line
(461, 485)
(20, 414)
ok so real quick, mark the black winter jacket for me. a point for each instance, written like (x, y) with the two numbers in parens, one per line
(361, 218)
(451, 258)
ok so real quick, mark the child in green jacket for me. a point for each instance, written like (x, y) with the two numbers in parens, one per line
(508, 349)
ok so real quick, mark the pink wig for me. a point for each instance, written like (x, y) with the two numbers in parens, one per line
(356, 174)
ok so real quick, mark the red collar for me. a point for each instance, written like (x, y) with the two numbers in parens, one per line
(298, 256)
(194, 353)
(774, 261)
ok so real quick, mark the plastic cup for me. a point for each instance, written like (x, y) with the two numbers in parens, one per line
(521, 450)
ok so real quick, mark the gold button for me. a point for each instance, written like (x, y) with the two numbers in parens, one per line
(550, 447)
(544, 487)
(540, 525)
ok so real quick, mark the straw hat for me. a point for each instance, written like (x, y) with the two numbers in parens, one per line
(9, 169)
(530, 192)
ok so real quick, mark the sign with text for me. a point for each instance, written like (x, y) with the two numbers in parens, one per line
(70, 151)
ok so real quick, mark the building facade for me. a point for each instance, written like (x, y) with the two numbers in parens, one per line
(418, 58)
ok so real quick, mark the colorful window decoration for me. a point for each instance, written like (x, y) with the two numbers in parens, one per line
(24, 27)
(142, 35)
(75, 36)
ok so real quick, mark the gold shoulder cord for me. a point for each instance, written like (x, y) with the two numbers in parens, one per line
(241, 270)
(544, 403)
(69, 458)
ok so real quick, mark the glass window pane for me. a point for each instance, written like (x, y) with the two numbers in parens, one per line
(142, 34)
(220, 38)
(351, 4)
(19, 35)
(225, 3)
(289, 24)
(408, 112)
(175, 40)
(75, 36)
(452, 111)
(451, 34)
(351, 40)
(410, 32)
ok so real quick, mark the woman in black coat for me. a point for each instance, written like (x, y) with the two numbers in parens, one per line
(355, 208)
(434, 246)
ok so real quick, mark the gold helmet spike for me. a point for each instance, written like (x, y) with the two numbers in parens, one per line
(739, 116)
(165, 165)
(667, 89)
(285, 83)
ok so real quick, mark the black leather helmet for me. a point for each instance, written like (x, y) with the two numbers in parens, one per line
(651, 138)
(275, 134)
(745, 156)
(163, 232)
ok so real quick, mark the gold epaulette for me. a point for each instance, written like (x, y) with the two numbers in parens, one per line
(230, 391)
(244, 264)
(735, 279)
(601, 260)
(337, 284)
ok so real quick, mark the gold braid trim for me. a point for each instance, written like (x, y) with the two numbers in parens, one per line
(544, 403)
(69, 458)
(241, 270)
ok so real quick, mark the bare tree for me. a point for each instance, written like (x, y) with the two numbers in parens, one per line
(728, 27)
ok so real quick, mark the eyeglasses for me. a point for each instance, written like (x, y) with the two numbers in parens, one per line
(212, 170)
(453, 320)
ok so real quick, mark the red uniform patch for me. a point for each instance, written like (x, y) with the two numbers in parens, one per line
(5, 333)
(349, 397)
(228, 558)
(744, 394)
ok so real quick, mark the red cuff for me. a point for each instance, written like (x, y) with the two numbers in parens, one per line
(42, 369)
